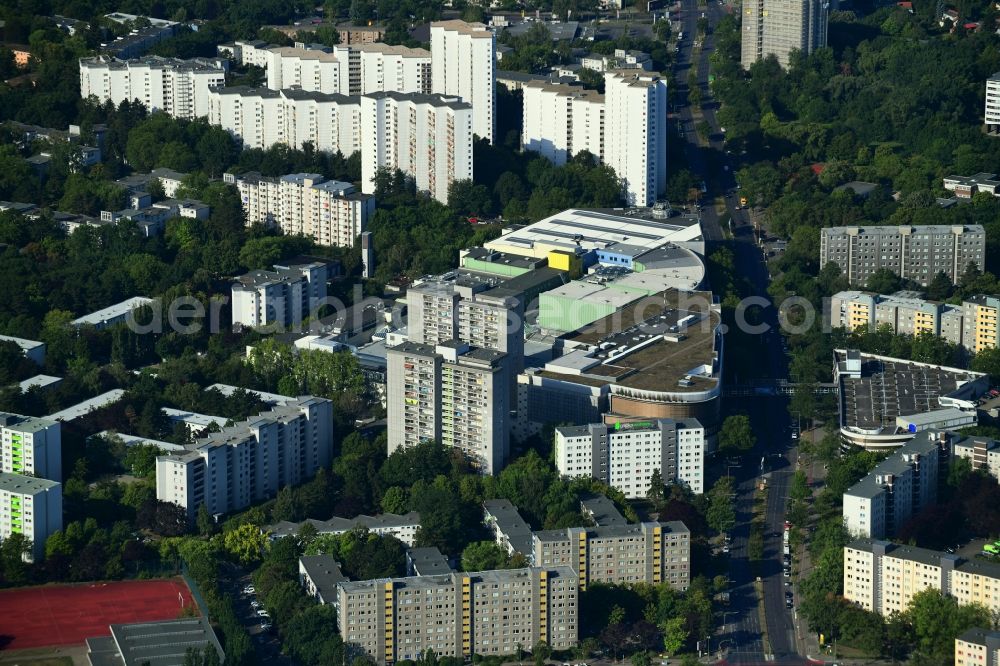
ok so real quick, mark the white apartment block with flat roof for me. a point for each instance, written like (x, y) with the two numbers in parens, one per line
(30, 445)
(635, 133)
(898, 487)
(779, 27)
(250, 461)
(991, 114)
(180, 88)
(282, 297)
(914, 253)
(328, 211)
(452, 393)
(349, 69)
(32, 507)
(440, 311)
(378, 67)
(463, 64)
(883, 577)
(562, 120)
(459, 614)
(428, 137)
(308, 69)
(261, 118)
(625, 455)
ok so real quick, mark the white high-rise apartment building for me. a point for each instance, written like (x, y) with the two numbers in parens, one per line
(370, 68)
(178, 87)
(309, 69)
(778, 27)
(439, 312)
(635, 133)
(261, 118)
(282, 297)
(453, 394)
(329, 211)
(32, 507)
(29, 445)
(992, 112)
(898, 487)
(625, 455)
(350, 69)
(250, 461)
(463, 64)
(428, 137)
(562, 120)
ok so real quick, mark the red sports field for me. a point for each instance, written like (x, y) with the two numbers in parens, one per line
(70, 614)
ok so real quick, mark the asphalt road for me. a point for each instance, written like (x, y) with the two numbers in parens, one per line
(267, 645)
(741, 636)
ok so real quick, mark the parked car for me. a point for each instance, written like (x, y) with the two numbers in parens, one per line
(249, 589)
(787, 573)
(263, 613)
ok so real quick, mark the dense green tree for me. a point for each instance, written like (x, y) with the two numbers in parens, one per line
(246, 543)
(736, 436)
(937, 619)
(484, 556)
(721, 512)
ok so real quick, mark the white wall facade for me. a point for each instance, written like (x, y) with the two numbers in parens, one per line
(331, 212)
(178, 87)
(635, 133)
(250, 461)
(32, 507)
(561, 120)
(991, 114)
(311, 70)
(30, 446)
(428, 137)
(262, 118)
(626, 458)
(464, 64)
